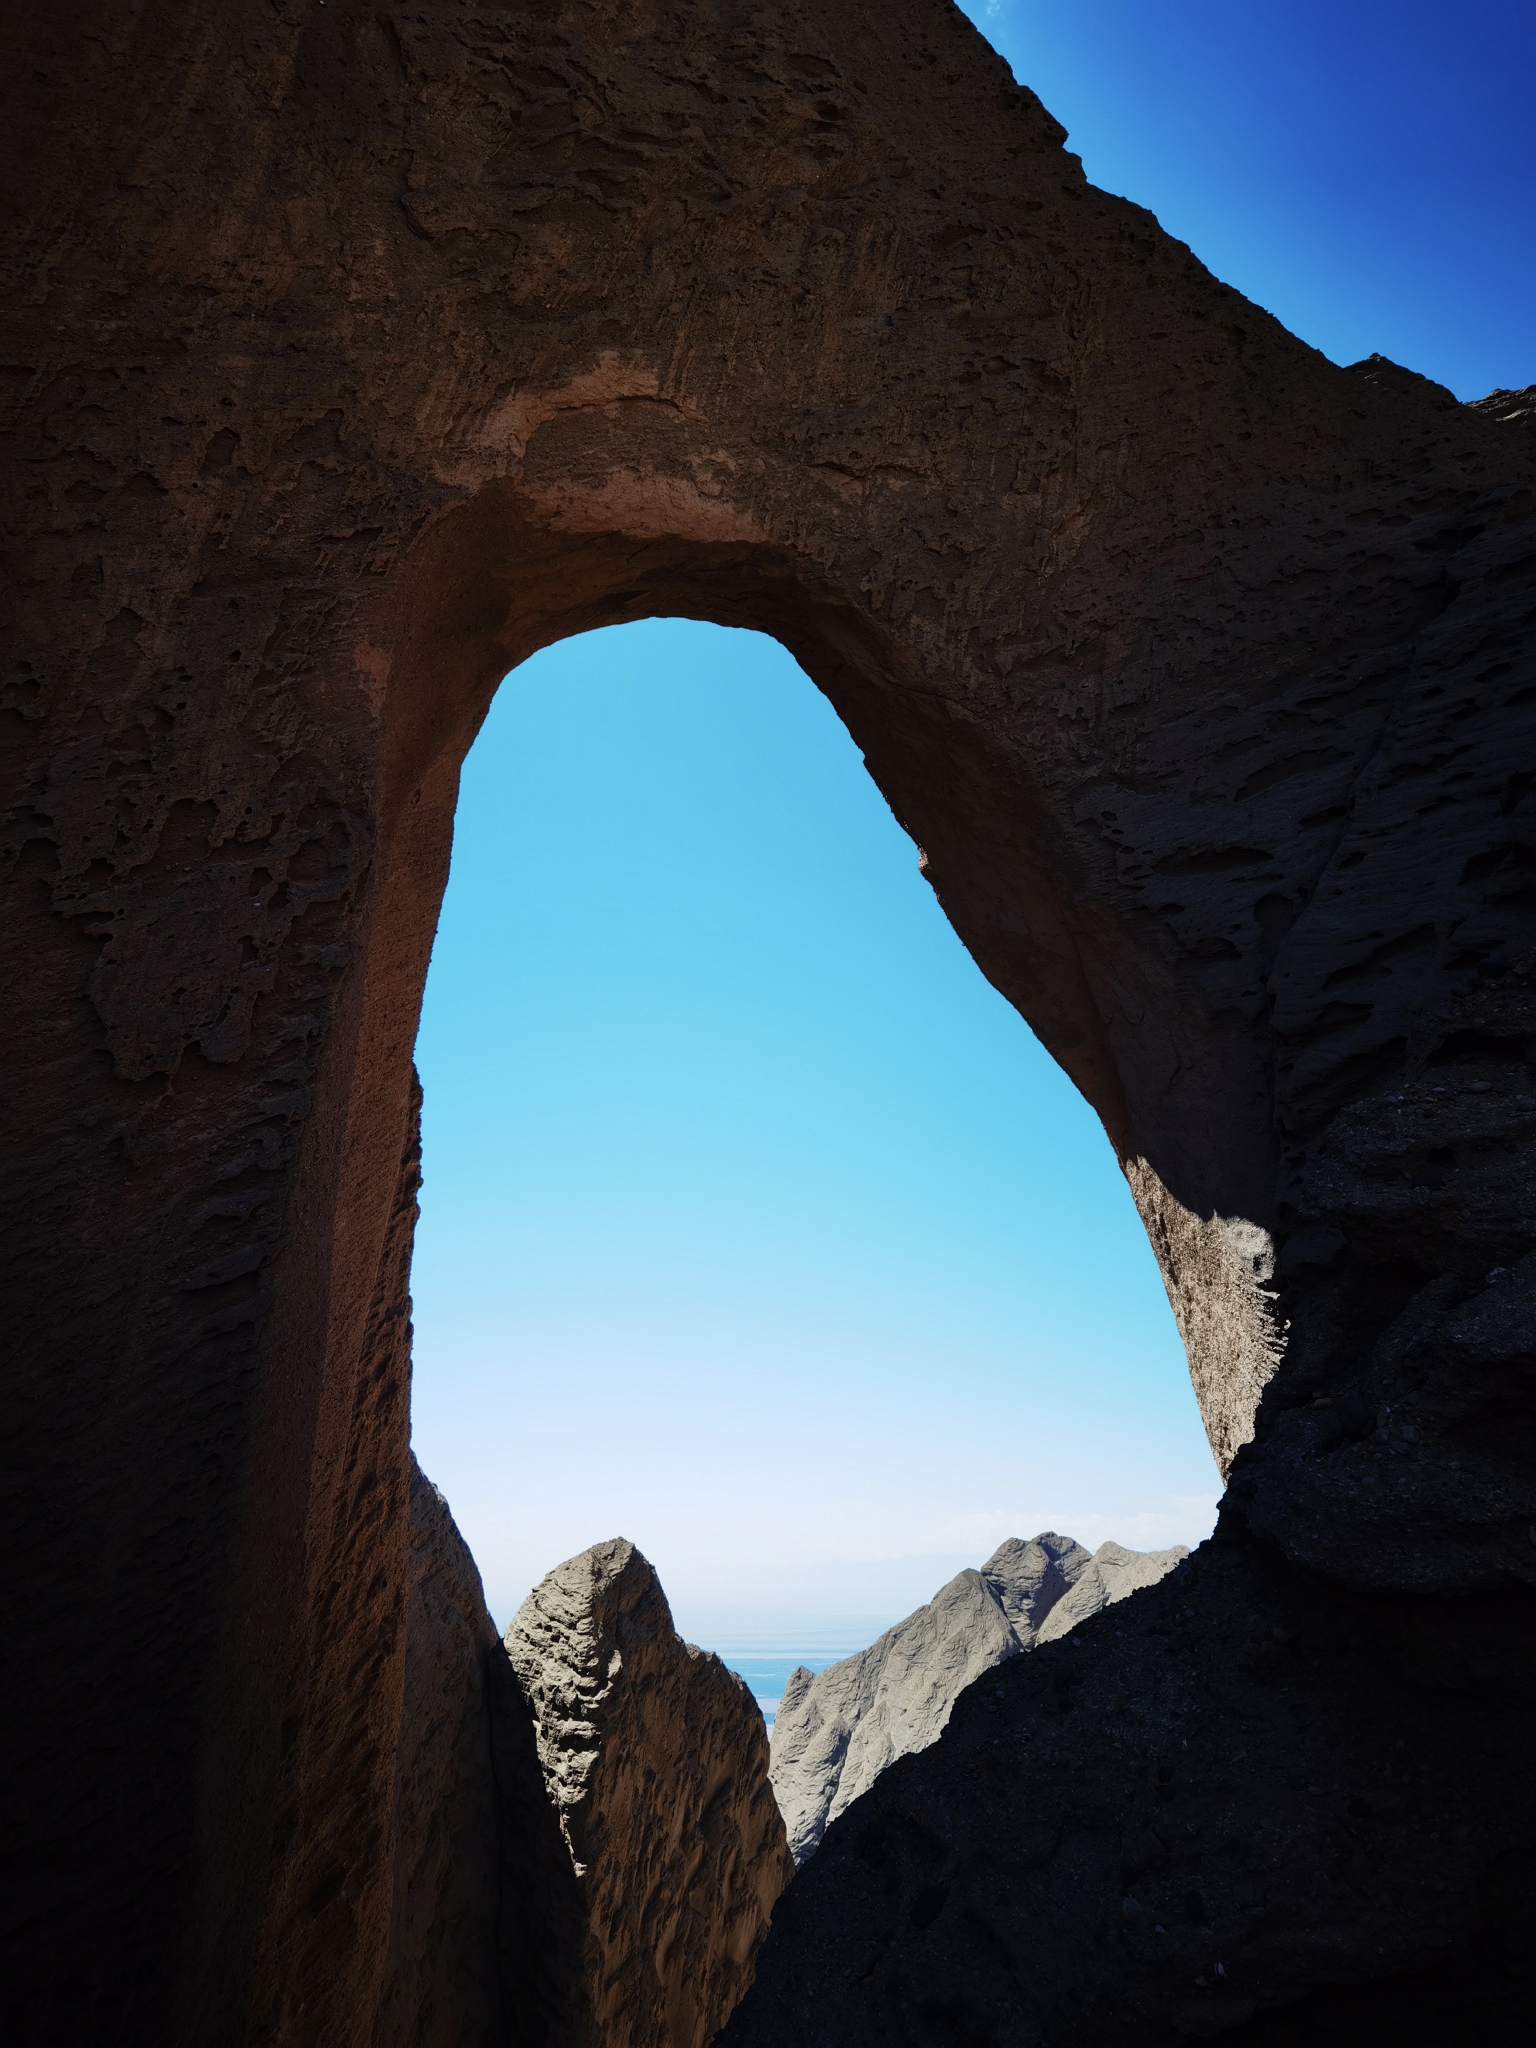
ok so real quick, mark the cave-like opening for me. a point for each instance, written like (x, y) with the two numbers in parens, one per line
(756, 1224)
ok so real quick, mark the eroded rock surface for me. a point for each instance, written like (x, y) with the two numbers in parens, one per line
(836, 1730)
(1110, 1575)
(352, 353)
(442, 1990)
(656, 1762)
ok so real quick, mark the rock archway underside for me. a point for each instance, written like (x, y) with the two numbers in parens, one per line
(356, 351)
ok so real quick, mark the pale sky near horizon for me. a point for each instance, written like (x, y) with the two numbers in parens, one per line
(756, 1226)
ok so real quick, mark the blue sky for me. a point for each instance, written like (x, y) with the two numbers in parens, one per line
(756, 1227)
(1365, 171)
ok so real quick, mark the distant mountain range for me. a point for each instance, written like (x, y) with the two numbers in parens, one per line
(836, 1730)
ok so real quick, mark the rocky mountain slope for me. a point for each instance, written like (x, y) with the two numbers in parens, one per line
(836, 1730)
(655, 1760)
(1147, 1835)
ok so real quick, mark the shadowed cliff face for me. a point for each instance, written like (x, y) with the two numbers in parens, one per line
(442, 1988)
(352, 354)
(1239, 1801)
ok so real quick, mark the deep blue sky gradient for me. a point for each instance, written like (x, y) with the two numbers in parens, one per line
(1365, 172)
(756, 1226)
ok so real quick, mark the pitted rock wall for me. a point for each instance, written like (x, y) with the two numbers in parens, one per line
(354, 352)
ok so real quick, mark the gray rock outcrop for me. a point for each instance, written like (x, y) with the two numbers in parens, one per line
(655, 1760)
(835, 1731)
(1111, 1574)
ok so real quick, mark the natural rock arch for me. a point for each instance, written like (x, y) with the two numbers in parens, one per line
(356, 352)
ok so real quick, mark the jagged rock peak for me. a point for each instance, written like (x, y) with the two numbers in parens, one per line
(1111, 1574)
(565, 1646)
(1028, 1579)
(656, 1762)
(835, 1731)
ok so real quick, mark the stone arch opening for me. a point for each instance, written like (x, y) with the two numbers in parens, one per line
(1099, 997)
(511, 570)
(695, 777)
(359, 353)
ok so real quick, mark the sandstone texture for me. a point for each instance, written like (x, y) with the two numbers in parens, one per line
(354, 351)
(487, 1944)
(655, 1759)
(836, 1730)
(442, 1989)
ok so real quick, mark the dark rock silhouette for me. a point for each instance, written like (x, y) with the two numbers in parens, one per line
(350, 356)
(1162, 1795)
(836, 1730)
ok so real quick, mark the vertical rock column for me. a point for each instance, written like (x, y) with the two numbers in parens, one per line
(656, 1763)
(441, 1990)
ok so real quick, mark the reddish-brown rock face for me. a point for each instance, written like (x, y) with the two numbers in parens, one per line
(354, 352)
(442, 1984)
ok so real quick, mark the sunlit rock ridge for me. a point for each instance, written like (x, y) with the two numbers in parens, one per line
(835, 1731)
(655, 1763)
